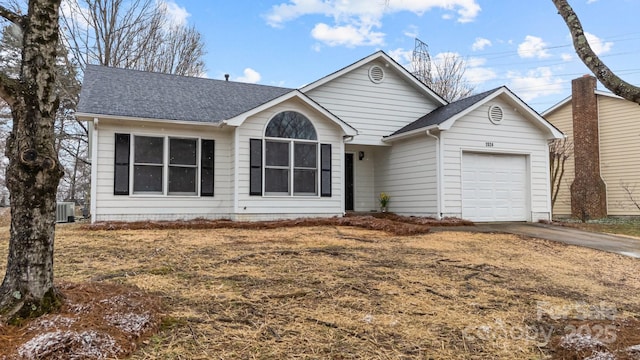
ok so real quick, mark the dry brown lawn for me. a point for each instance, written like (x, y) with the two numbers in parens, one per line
(342, 292)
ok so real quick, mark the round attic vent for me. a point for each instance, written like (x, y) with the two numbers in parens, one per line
(376, 74)
(496, 114)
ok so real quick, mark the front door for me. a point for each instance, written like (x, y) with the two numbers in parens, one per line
(348, 178)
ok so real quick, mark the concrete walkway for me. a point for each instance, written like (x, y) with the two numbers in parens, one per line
(627, 246)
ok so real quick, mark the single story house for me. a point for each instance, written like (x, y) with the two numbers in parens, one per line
(602, 174)
(167, 147)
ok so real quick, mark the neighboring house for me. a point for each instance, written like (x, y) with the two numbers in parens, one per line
(167, 147)
(606, 154)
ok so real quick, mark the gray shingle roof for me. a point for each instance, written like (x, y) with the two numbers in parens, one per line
(132, 93)
(445, 112)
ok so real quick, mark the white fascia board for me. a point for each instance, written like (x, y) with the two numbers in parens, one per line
(409, 134)
(523, 109)
(609, 94)
(568, 100)
(382, 56)
(90, 117)
(240, 119)
(530, 113)
(557, 106)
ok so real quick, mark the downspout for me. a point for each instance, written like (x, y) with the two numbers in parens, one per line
(236, 166)
(439, 176)
(94, 169)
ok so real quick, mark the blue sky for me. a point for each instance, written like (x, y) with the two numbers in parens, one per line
(522, 44)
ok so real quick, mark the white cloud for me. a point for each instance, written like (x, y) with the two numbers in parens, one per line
(74, 11)
(535, 83)
(475, 61)
(479, 75)
(356, 22)
(412, 31)
(480, 44)
(177, 15)
(402, 56)
(597, 45)
(250, 76)
(347, 35)
(566, 57)
(533, 47)
(475, 72)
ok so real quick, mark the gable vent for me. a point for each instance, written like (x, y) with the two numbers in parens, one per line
(496, 114)
(376, 74)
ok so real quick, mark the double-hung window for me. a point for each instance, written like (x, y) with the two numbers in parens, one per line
(291, 159)
(183, 166)
(148, 164)
(163, 165)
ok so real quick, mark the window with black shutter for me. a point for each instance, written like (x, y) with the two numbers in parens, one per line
(121, 171)
(140, 160)
(255, 164)
(325, 170)
(207, 167)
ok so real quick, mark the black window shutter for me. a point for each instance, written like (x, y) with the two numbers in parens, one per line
(121, 170)
(325, 170)
(255, 167)
(207, 162)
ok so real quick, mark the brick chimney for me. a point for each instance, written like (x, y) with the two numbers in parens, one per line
(588, 191)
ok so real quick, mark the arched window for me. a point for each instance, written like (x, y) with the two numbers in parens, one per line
(291, 156)
(291, 125)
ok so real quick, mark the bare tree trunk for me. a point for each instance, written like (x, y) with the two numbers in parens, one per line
(34, 171)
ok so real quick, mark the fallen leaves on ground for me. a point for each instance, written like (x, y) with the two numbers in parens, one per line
(318, 291)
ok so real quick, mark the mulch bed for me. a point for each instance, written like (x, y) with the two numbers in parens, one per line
(388, 222)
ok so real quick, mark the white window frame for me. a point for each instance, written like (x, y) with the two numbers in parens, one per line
(133, 165)
(165, 166)
(291, 168)
(198, 147)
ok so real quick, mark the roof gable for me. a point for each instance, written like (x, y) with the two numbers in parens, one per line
(567, 100)
(379, 56)
(149, 95)
(241, 118)
(444, 117)
(444, 113)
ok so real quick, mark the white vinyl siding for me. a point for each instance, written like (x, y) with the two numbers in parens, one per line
(273, 207)
(364, 192)
(110, 207)
(407, 171)
(375, 110)
(515, 135)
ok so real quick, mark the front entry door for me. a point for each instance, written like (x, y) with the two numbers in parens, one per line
(348, 178)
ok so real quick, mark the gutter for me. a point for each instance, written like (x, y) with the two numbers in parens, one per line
(91, 117)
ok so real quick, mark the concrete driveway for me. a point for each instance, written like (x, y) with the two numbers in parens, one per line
(627, 246)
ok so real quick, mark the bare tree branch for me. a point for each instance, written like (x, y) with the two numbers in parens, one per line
(610, 80)
(559, 152)
(630, 190)
(134, 34)
(8, 89)
(444, 74)
(12, 16)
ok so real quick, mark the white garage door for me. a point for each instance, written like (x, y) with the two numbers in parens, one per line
(494, 187)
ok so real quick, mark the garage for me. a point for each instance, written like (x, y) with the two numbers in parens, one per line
(494, 187)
